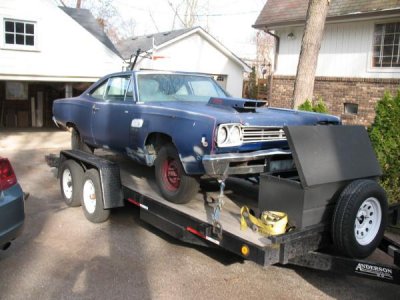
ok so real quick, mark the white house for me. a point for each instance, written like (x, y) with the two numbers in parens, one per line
(189, 50)
(47, 52)
(359, 57)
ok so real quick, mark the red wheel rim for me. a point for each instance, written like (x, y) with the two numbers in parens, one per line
(171, 174)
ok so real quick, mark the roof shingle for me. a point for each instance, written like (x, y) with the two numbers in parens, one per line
(85, 18)
(281, 12)
(145, 42)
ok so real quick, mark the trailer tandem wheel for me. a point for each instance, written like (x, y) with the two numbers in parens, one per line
(71, 174)
(92, 198)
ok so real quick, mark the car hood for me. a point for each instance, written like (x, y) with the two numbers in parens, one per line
(246, 112)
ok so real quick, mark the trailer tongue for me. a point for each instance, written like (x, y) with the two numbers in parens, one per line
(332, 198)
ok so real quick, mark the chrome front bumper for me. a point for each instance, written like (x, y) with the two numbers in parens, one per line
(238, 163)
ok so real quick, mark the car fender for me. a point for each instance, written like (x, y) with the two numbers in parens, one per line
(191, 133)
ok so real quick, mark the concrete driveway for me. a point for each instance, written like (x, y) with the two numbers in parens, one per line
(62, 256)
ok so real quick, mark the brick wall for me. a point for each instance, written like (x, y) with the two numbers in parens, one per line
(336, 91)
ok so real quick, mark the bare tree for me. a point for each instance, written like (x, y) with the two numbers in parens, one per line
(188, 12)
(310, 45)
(264, 45)
(107, 17)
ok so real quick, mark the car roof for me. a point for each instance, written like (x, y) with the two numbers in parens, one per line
(158, 72)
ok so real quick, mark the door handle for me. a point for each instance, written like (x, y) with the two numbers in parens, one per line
(94, 108)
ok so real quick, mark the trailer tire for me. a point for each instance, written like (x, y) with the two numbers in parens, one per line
(179, 187)
(92, 198)
(71, 174)
(78, 144)
(359, 219)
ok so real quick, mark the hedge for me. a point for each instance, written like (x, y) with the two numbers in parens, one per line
(385, 138)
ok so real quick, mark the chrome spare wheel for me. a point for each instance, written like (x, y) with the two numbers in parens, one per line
(368, 221)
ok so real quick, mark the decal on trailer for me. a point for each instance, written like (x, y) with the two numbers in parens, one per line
(375, 271)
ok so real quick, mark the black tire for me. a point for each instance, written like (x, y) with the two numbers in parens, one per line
(71, 174)
(78, 144)
(177, 188)
(359, 219)
(92, 198)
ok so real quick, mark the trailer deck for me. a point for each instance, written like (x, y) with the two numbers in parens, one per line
(192, 222)
(238, 192)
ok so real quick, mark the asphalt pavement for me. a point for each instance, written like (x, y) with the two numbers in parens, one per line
(61, 255)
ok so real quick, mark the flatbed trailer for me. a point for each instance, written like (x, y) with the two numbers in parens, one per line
(192, 222)
(123, 180)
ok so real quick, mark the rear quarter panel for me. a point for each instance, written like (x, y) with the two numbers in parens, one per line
(77, 111)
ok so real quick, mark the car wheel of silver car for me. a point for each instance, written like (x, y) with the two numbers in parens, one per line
(71, 174)
(175, 185)
(78, 144)
(92, 198)
(359, 219)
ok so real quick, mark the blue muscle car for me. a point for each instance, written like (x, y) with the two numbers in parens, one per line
(184, 124)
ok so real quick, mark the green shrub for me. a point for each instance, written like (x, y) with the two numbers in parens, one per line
(385, 137)
(319, 107)
(306, 106)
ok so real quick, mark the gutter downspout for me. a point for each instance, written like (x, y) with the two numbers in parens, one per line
(277, 43)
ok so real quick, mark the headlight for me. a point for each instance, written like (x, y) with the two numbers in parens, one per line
(229, 135)
(235, 136)
(221, 135)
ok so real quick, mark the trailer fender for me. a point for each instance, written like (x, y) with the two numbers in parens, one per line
(110, 180)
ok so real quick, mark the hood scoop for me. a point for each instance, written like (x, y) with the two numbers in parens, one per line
(240, 105)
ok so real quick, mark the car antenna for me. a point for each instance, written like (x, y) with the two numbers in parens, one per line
(136, 57)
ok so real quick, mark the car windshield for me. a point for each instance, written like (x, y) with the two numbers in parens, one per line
(177, 87)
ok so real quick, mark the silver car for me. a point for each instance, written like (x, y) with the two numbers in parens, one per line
(12, 213)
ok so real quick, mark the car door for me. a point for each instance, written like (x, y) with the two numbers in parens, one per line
(111, 117)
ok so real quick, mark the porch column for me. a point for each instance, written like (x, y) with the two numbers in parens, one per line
(68, 90)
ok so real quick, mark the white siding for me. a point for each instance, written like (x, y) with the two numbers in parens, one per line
(345, 52)
(65, 50)
(195, 54)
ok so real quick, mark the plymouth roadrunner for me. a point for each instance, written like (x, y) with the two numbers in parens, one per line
(185, 125)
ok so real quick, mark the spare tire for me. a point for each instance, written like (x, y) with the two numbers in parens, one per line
(359, 219)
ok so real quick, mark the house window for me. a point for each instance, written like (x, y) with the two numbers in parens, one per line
(386, 45)
(350, 108)
(19, 33)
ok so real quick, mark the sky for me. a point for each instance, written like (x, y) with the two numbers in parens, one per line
(229, 21)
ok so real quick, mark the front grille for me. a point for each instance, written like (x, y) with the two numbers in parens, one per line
(262, 134)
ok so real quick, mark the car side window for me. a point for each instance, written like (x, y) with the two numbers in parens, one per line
(117, 88)
(98, 93)
(129, 91)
